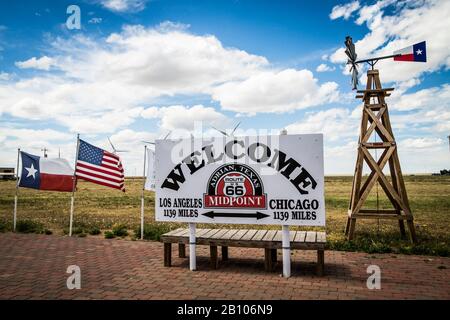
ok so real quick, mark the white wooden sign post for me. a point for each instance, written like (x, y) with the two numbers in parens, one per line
(143, 194)
(258, 180)
(285, 242)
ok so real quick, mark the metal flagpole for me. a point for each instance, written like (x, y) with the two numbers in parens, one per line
(192, 257)
(142, 197)
(286, 245)
(17, 192)
(73, 187)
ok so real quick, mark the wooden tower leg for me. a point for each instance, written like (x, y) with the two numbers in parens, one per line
(347, 226)
(412, 231)
(401, 224)
(351, 229)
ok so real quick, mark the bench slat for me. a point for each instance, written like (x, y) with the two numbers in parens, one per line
(249, 235)
(310, 236)
(184, 233)
(173, 232)
(300, 236)
(278, 236)
(259, 235)
(321, 237)
(229, 234)
(238, 235)
(219, 234)
(269, 235)
(292, 235)
(210, 233)
(200, 232)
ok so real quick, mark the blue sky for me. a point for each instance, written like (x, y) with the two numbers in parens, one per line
(137, 69)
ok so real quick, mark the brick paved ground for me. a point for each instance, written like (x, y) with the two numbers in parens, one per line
(34, 267)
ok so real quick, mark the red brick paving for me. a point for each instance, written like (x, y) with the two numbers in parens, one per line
(34, 267)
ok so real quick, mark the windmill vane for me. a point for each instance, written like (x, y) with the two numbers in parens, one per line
(414, 53)
(351, 54)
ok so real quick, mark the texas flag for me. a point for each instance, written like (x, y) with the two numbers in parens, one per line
(45, 174)
(416, 53)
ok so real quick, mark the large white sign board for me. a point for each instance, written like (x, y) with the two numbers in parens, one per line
(244, 180)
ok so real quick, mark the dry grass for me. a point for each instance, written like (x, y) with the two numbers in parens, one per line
(101, 207)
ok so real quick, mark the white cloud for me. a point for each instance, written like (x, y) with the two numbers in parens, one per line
(43, 63)
(344, 10)
(100, 81)
(4, 76)
(409, 23)
(421, 143)
(275, 91)
(427, 99)
(172, 60)
(32, 135)
(336, 124)
(95, 20)
(182, 117)
(103, 122)
(124, 5)
(32, 141)
(324, 68)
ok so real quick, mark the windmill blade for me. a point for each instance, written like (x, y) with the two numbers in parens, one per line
(149, 142)
(112, 146)
(351, 54)
(232, 132)
(350, 49)
(355, 80)
(222, 132)
(167, 135)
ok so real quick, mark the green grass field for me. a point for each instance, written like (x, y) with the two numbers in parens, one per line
(102, 208)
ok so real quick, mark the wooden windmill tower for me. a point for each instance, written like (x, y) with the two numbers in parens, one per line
(375, 121)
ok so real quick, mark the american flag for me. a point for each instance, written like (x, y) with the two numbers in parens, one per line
(99, 166)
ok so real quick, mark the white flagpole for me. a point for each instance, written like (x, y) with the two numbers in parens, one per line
(142, 197)
(72, 200)
(286, 245)
(17, 192)
(192, 257)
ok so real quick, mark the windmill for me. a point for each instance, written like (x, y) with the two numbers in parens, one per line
(165, 138)
(114, 150)
(225, 133)
(45, 151)
(375, 122)
(414, 53)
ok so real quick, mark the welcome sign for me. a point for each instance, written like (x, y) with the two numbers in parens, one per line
(243, 180)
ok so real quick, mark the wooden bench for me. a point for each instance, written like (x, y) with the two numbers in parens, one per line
(270, 240)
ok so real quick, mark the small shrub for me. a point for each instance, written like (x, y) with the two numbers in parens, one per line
(82, 235)
(29, 226)
(109, 235)
(94, 231)
(48, 232)
(77, 230)
(119, 230)
(152, 231)
(2, 226)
